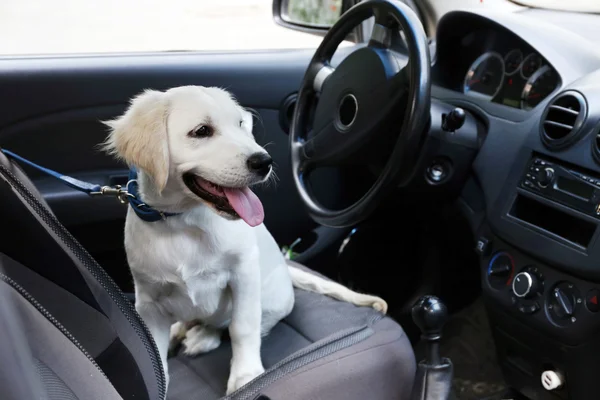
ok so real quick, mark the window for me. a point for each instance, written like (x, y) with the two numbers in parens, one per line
(114, 26)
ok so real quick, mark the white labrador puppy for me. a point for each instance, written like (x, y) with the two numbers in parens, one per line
(213, 262)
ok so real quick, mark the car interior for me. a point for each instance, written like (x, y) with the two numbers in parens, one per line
(447, 160)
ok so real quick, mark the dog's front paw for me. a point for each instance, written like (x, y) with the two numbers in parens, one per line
(177, 333)
(201, 339)
(236, 381)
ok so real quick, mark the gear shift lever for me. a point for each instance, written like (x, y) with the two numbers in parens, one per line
(434, 374)
(430, 315)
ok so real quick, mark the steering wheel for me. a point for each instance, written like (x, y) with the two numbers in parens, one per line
(340, 111)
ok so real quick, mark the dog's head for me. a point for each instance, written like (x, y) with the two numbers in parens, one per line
(194, 143)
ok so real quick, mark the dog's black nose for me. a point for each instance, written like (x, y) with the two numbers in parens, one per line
(260, 163)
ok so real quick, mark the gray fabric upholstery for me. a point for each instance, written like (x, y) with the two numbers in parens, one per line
(18, 379)
(375, 362)
(92, 329)
(56, 388)
(71, 371)
(380, 367)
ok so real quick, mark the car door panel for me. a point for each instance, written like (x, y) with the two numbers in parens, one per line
(52, 110)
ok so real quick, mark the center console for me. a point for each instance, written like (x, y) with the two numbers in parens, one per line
(545, 310)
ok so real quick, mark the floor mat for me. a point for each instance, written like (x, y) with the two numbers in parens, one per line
(467, 341)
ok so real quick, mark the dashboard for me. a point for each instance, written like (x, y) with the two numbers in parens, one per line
(494, 65)
(533, 199)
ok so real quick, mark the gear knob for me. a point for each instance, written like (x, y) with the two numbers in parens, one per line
(430, 315)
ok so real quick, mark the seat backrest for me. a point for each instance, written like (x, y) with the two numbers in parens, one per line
(76, 334)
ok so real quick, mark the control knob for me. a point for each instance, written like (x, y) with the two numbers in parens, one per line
(454, 120)
(545, 176)
(525, 285)
(562, 303)
(500, 270)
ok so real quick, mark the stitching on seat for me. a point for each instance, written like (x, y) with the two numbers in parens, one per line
(319, 349)
(396, 339)
(300, 371)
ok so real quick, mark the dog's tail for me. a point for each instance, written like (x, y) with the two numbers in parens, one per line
(313, 283)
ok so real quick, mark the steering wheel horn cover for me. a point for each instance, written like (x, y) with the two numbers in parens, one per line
(353, 101)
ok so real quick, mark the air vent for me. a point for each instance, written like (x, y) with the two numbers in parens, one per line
(596, 144)
(562, 119)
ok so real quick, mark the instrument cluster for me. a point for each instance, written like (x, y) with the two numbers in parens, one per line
(496, 66)
(513, 79)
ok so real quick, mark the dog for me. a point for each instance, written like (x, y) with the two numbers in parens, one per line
(213, 265)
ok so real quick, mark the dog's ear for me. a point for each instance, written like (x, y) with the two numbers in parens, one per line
(139, 136)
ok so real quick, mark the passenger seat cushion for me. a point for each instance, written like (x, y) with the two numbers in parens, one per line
(324, 349)
(379, 367)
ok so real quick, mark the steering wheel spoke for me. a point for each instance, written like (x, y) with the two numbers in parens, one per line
(381, 36)
(322, 149)
(386, 31)
(321, 76)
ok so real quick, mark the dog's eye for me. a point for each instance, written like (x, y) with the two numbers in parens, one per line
(241, 122)
(201, 132)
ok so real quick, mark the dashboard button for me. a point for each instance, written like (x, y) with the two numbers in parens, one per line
(529, 308)
(483, 246)
(592, 300)
(532, 308)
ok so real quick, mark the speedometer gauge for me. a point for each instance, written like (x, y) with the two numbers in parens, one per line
(531, 63)
(512, 61)
(485, 76)
(538, 87)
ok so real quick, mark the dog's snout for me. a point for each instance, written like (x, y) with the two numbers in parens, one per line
(260, 163)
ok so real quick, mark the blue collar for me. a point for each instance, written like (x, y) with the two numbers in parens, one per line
(144, 211)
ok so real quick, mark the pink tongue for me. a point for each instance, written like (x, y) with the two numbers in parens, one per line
(246, 204)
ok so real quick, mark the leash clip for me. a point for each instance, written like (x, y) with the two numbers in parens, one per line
(117, 191)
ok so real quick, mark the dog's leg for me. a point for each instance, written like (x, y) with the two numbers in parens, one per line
(244, 329)
(160, 327)
(201, 339)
